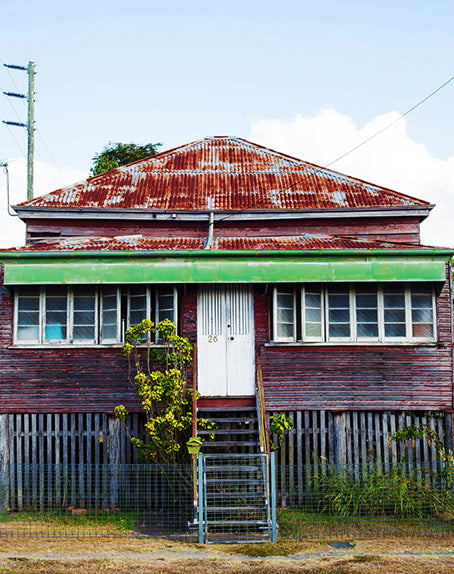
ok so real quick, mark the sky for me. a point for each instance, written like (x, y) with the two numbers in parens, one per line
(309, 78)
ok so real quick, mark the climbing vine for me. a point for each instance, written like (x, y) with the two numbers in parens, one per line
(159, 375)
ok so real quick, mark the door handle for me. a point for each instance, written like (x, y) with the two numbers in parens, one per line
(231, 338)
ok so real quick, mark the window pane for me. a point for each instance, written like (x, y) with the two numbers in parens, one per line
(366, 312)
(339, 315)
(28, 333)
(312, 312)
(394, 311)
(56, 302)
(28, 314)
(423, 330)
(137, 302)
(367, 330)
(339, 312)
(165, 304)
(422, 312)
(395, 330)
(285, 314)
(313, 315)
(313, 330)
(28, 303)
(284, 330)
(109, 314)
(339, 330)
(313, 300)
(84, 333)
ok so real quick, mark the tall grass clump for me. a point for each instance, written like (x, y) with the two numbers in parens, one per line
(395, 491)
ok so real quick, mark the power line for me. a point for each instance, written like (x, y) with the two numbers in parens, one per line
(318, 170)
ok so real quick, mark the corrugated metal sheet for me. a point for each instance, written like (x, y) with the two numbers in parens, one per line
(141, 243)
(226, 173)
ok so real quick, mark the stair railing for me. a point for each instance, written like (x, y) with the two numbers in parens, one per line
(194, 433)
(260, 403)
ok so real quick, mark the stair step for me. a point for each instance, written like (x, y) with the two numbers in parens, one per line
(214, 495)
(236, 480)
(228, 431)
(232, 443)
(245, 420)
(260, 523)
(255, 509)
(226, 468)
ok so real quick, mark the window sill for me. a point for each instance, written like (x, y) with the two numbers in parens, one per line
(67, 346)
(354, 344)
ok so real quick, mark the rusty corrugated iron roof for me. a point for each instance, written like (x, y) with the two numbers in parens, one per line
(222, 174)
(140, 243)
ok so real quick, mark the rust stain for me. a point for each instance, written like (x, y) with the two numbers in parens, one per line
(234, 173)
(143, 243)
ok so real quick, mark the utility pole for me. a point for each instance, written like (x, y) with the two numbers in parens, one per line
(30, 128)
(30, 125)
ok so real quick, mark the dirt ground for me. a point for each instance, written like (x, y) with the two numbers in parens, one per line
(145, 556)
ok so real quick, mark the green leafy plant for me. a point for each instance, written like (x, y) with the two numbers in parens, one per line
(395, 491)
(280, 423)
(159, 378)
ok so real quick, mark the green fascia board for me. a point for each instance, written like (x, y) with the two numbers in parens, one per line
(225, 267)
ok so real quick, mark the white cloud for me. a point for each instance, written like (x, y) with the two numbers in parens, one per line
(47, 178)
(391, 159)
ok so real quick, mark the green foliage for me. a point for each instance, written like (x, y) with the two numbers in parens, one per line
(414, 432)
(279, 425)
(117, 154)
(396, 492)
(160, 383)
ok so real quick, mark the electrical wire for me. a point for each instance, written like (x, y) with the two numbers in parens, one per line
(318, 170)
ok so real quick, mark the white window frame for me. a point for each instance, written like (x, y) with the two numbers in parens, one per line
(305, 338)
(82, 342)
(152, 311)
(330, 338)
(353, 338)
(275, 321)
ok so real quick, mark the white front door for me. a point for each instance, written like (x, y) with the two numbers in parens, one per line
(225, 341)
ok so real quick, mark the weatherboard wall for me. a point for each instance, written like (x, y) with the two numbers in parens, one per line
(358, 377)
(311, 377)
(396, 229)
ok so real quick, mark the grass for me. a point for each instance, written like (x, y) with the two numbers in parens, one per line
(122, 521)
(300, 524)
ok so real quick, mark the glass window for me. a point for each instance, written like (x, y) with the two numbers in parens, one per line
(84, 313)
(138, 306)
(56, 305)
(422, 313)
(362, 312)
(109, 314)
(312, 309)
(394, 311)
(366, 312)
(339, 312)
(28, 315)
(285, 326)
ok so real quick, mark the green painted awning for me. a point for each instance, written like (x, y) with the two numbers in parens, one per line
(227, 267)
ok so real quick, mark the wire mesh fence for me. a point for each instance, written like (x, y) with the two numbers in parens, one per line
(358, 501)
(96, 500)
(314, 501)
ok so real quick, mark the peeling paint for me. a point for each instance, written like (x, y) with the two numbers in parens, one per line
(238, 174)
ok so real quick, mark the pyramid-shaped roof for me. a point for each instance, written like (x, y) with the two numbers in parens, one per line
(222, 174)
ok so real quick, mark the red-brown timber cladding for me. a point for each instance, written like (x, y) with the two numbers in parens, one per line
(417, 377)
(397, 229)
(412, 377)
(68, 380)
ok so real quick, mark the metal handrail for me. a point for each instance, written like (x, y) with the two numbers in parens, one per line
(261, 408)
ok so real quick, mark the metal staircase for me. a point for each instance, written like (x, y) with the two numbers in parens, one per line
(233, 478)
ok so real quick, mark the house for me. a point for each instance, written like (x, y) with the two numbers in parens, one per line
(265, 261)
